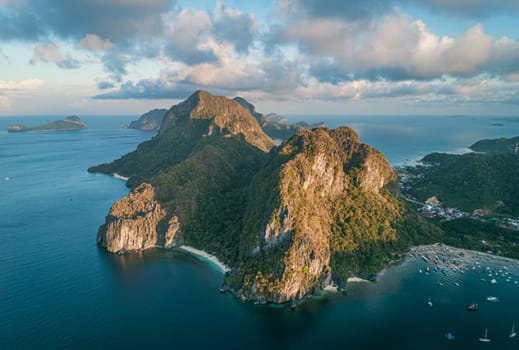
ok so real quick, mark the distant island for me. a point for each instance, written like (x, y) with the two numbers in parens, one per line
(274, 125)
(289, 220)
(67, 124)
(149, 121)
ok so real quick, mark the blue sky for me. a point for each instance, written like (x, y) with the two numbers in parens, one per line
(287, 56)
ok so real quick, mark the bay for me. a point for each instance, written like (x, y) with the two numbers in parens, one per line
(58, 289)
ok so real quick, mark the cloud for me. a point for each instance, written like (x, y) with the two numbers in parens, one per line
(112, 19)
(51, 53)
(469, 8)
(93, 42)
(395, 48)
(351, 10)
(149, 89)
(103, 85)
(190, 33)
(22, 85)
(12, 88)
(115, 63)
(370, 9)
(233, 26)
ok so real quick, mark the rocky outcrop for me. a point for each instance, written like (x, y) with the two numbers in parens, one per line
(137, 222)
(319, 169)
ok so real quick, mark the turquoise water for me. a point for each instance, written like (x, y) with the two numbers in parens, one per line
(59, 290)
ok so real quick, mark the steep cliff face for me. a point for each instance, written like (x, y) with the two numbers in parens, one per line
(138, 222)
(288, 221)
(316, 170)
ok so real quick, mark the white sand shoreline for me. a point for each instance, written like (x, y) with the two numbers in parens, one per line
(206, 256)
(120, 177)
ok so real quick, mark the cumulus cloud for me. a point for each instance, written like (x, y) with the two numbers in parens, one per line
(103, 85)
(51, 53)
(115, 64)
(190, 33)
(94, 42)
(113, 19)
(228, 75)
(396, 48)
(233, 26)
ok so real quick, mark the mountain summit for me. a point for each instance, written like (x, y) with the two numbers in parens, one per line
(289, 220)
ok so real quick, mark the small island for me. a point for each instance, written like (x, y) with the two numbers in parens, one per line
(149, 121)
(68, 124)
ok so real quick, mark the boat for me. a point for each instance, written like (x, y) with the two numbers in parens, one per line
(512, 332)
(493, 299)
(456, 284)
(449, 336)
(429, 302)
(485, 340)
(493, 281)
(473, 307)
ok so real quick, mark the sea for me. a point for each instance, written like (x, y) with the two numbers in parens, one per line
(59, 290)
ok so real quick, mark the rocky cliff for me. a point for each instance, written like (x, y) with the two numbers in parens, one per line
(315, 173)
(288, 219)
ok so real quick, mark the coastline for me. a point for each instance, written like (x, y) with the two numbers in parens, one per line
(207, 257)
(463, 256)
(120, 177)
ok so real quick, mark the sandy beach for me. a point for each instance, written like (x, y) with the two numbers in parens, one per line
(206, 256)
(120, 177)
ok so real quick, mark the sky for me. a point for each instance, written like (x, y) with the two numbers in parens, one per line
(305, 57)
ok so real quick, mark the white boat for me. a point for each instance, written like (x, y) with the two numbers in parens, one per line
(512, 332)
(485, 340)
(456, 284)
(493, 281)
(429, 302)
(493, 299)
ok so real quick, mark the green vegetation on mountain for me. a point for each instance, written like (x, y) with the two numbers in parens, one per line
(67, 124)
(287, 219)
(149, 121)
(470, 181)
(480, 235)
(500, 145)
